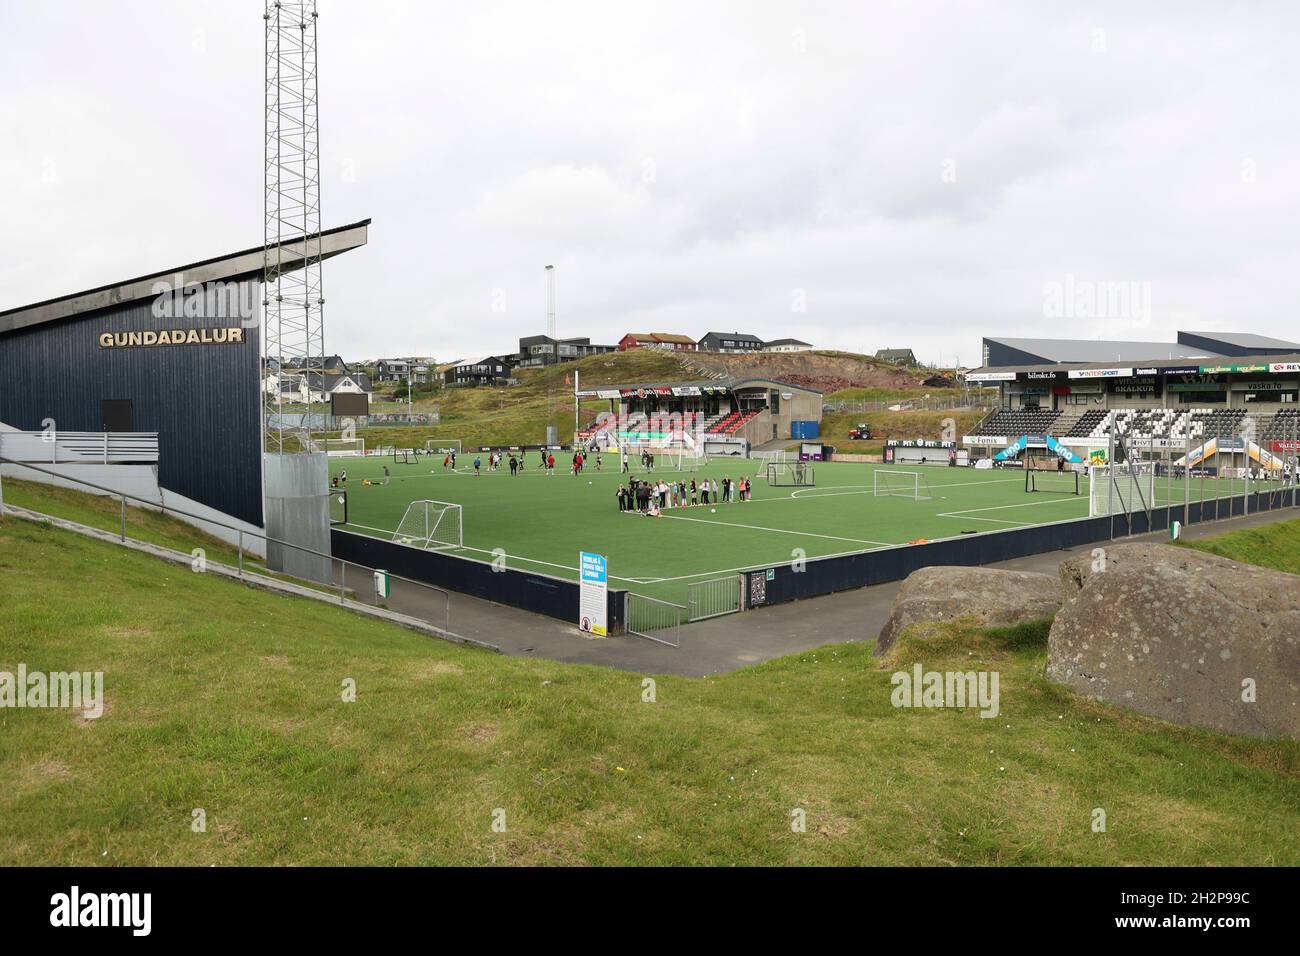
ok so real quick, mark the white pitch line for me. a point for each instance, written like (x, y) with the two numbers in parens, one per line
(1027, 504)
(1018, 524)
(754, 527)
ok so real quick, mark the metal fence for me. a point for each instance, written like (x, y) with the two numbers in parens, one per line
(323, 421)
(713, 598)
(654, 619)
(973, 401)
(355, 583)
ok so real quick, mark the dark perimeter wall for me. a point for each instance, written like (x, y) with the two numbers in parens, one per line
(203, 400)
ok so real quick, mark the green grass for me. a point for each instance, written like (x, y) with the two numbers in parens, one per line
(1275, 545)
(228, 699)
(541, 522)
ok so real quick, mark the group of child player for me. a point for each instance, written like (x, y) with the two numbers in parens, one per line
(655, 496)
(545, 459)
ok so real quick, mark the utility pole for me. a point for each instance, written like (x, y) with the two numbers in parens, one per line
(293, 298)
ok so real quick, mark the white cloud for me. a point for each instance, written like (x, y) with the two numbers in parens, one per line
(686, 166)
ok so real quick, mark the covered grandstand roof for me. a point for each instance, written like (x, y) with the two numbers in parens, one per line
(1237, 343)
(1137, 365)
(1093, 350)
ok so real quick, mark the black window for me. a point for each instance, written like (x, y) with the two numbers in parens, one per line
(116, 414)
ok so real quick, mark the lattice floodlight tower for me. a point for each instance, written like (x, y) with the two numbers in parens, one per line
(292, 306)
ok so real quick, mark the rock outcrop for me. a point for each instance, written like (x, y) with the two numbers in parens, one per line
(1179, 634)
(991, 596)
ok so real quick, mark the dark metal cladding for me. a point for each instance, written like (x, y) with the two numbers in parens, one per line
(202, 399)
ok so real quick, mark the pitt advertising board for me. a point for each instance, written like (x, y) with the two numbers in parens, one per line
(1101, 372)
(593, 584)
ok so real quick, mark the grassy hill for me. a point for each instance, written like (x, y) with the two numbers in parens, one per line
(228, 699)
(520, 414)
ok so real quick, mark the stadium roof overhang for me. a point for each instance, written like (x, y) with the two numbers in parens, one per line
(236, 265)
(1237, 364)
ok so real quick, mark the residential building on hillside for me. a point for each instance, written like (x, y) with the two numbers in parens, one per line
(670, 341)
(391, 370)
(730, 342)
(490, 370)
(319, 386)
(332, 364)
(897, 356)
(787, 345)
(539, 350)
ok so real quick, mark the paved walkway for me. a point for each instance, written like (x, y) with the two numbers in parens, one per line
(737, 640)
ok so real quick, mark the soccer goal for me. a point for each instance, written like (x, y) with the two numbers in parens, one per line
(900, 484)
(340, 447)
(1121, 489)
(784, 474)
(1052, 481)
(404, 456)
(442, 446)
(430, 524)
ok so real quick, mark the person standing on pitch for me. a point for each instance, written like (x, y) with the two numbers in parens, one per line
(385, 474)
(624, 471)
(477, 462)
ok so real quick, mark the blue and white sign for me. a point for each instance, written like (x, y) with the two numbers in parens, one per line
(593, 580)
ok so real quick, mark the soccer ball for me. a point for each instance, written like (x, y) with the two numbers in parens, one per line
(406, 541)
(713, 511)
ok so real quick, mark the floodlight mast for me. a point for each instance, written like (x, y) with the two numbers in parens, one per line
(293, 300)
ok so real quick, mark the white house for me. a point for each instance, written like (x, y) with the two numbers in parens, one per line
(787, 345)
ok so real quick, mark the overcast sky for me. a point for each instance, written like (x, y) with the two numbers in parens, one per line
(860, 175)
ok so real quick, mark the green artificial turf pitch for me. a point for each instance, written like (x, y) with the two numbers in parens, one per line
(540, 522)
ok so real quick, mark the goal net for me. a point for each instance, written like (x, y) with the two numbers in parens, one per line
(442, 446)
(1052, 481)
(782, 474)
(339, 447)
(430, 524)
(1121, 489)
(900, 484)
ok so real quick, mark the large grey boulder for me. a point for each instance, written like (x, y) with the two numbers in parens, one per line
(991, 596)
(1179, 634)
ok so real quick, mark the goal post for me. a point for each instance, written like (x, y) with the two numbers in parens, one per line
(1052, 481)
(900, 484)
(442, 445)
(1121, 489)
(339, 447)
(781, 474)
(431, 524)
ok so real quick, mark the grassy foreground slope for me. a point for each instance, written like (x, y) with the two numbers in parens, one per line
(1274, 545)
(228, 699)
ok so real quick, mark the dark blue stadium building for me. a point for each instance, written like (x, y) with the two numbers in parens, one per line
(176, 354)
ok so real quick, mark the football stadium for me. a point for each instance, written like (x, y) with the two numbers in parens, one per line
(618, 597)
